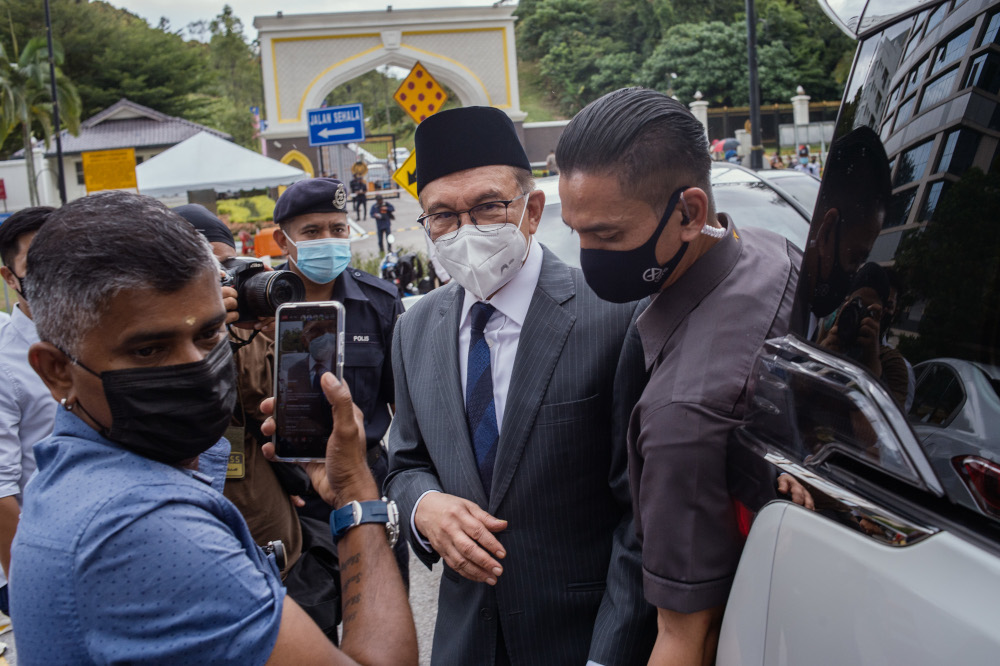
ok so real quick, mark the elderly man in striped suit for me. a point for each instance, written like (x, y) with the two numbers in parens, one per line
(514, 385)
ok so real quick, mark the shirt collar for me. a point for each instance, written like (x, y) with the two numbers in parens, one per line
(23, 324)
(514, 297)
(69, 425)
(669, 307)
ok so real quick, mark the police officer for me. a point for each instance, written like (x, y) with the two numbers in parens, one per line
(312, 216)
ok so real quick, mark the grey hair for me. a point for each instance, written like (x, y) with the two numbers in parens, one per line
(93, 248)
(525, 181)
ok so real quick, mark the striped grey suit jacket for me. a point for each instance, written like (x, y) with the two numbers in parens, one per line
(572, 583)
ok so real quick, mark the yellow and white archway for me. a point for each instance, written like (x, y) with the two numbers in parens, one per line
(469, 49)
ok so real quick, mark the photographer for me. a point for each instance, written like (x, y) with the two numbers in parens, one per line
(149, 563)
(855, 331)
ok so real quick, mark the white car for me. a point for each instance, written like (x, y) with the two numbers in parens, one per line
(900, 561)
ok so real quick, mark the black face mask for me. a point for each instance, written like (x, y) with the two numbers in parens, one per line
(830, 293)
(171, 413)
(621, 276)
(23, 291)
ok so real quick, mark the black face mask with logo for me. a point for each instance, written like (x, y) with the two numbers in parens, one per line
(621, 276)
(170, 413)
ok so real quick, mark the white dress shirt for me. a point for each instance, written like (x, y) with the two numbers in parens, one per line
(502, 333)
(27, 409)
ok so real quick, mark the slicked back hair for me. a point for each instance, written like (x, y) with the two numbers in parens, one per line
(93, 248)
(20, 223)
(650, 142)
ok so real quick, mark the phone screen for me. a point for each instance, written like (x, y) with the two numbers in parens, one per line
(309, 341)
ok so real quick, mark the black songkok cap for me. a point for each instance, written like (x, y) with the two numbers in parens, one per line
(466, 138)
(315, 195)
(211, 227)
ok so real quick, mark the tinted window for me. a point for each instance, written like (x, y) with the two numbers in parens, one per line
(984, 73)
(757, 205)
(939, 396)
(916, 189)
(950, 52)
(899, 208)
(804, 188)
(938, 89)
(934, 192)
(959, 151)
(915, 77)
(904, 113)
(913, 163)
(990, 36)
(937, 16)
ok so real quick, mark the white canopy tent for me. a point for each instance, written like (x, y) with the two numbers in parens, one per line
(206, 162)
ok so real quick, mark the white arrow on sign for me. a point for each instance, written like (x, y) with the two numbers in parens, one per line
(327, 133)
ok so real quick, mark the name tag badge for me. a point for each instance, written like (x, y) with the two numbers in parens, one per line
(237, 453)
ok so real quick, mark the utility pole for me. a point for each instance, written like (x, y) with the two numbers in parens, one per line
(756, 149)
(55, 108)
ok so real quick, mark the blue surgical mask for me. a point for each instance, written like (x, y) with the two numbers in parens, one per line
(323, 259)
(322, 348)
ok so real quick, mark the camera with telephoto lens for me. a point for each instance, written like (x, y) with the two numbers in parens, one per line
(849, 321)
(260, 291)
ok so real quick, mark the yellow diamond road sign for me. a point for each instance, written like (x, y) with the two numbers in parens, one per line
(406, 175)
(420, 95)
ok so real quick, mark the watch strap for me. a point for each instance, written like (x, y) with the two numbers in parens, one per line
(358, 513)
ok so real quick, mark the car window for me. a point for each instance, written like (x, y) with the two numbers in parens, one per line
(904, 233)
(804, 188)
(939, 395)
(755, 204)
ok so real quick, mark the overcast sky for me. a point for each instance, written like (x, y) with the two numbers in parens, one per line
(182, 12)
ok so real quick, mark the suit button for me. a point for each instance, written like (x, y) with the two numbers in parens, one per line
(486, 614)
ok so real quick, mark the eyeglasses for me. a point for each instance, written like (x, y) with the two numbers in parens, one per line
(444, 226)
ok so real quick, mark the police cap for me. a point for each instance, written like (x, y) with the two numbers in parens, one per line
(315, 195)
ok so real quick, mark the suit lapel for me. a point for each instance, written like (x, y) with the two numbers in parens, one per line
(443, 340)
(543, 336)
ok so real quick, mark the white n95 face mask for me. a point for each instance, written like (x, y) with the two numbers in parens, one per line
(485, 258)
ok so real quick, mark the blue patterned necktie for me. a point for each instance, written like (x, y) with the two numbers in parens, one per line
(480, 409)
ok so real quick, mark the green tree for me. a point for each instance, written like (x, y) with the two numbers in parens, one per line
(235, 66)
(710, 57)
(26, 99)
(113, 53)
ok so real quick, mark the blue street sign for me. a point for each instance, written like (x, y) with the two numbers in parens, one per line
(336, 124)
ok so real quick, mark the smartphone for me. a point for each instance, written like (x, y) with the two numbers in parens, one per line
(309, 341)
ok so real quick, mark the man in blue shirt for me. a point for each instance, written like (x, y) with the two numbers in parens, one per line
(126, 544)
(26, 408)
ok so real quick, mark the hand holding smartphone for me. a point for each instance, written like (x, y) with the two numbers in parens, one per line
(309, 341)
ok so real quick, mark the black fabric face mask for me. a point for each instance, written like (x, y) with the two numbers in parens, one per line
(830, 293)
(621, 276)
(170, 413)
(23, 291)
